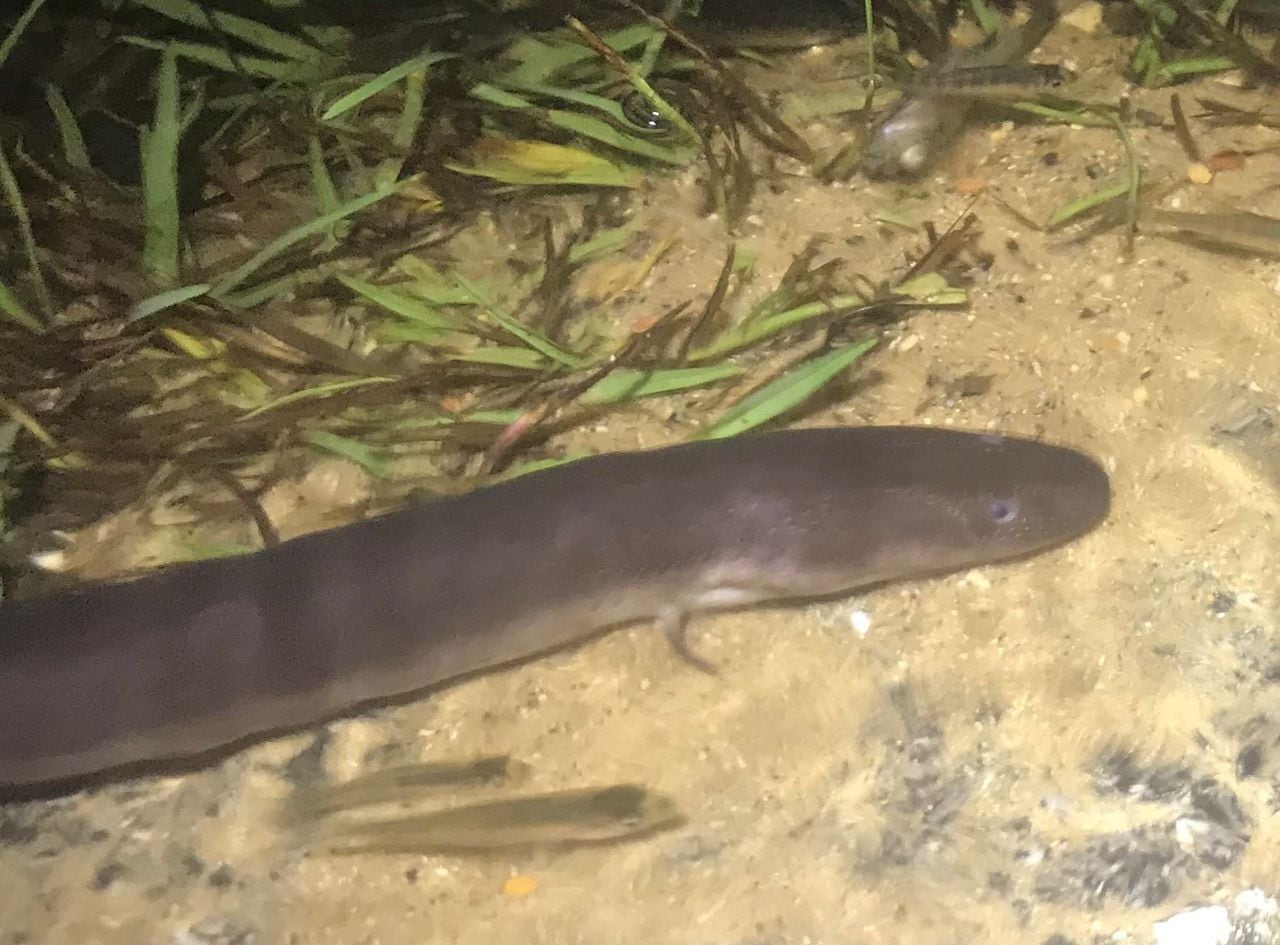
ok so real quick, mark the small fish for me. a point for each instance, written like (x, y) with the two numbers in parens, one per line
(1011, 81)
(924, 123)
(1222, 114)
(400, 785)
(1237, 229)
(576, 817)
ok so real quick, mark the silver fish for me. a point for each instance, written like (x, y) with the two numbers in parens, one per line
(1237, 229)
(924, 122)
(999, 83)
(572, 818)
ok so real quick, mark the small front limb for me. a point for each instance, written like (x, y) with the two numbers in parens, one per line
(674, 624)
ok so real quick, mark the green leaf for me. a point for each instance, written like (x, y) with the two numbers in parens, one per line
(534, 465)
(382, 82)
(412, 106)
(1088, 202)
(321, 181)
(786, 392)
(73, 146)
(542, 163)
(596, 129)
(539, 60)
(756, 331)
(251, 31)
(496, 96)
(630, 384)
(314, 227)
(933, 289)
(433, 286)
(18, 207)
(18, 29)
(218, 58)
(163, 300)
(533, 339)
(11, 307)
(317, 392)
(159, 147)
(407, 306)
(367, 457)
(502, 354)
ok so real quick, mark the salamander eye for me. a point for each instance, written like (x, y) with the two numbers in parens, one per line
(1003, 511)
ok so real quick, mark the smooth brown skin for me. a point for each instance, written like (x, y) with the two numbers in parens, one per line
(197, 657)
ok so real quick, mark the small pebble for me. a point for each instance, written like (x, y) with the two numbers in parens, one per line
(519, 885)
(1209, 925)
(1087, 17)
(860, 620)
(1198, 173)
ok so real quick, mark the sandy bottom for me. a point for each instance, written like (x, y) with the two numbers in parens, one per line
(1074, 746)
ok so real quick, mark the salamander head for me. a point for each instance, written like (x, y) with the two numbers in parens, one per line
(896, 502)
(967, 499)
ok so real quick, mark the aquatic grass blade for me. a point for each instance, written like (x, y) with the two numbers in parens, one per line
(503, 355)
(314, 393)
(216, 58)
(366, 457)
(542, 163)
(158, 144)
(11, 307)
(1175, 69)
(407, 124)
(275, 288)
(264, 37)
(631, 384)
(433, 286)
(18, 207)
(1065, 112)
(1085, 203)
(608, 132)
(787, 392)
(165, 300)
(406, 306)
(758, 330)
(596, 129)
(222, 288)
(29, 423)
(19, 29)
(74, 150)
(382, 82)
(198, 349)
(486, 92)
(538, 61)
(601, 243)
(533, 339)
(931, 288)
(516, 470)
(322, 186)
